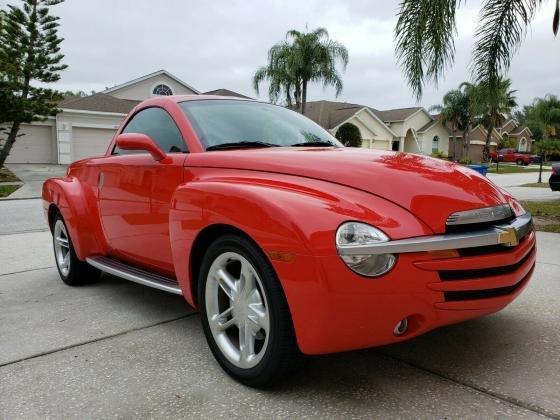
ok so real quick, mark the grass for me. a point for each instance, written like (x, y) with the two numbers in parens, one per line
(546, 214)
(513, 169)
(7, 176)
(536, 184)
(6, 190)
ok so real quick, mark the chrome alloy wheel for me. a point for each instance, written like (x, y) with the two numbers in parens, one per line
(237, 310)
(61, 247)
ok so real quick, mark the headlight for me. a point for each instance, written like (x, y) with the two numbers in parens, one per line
(355, 233)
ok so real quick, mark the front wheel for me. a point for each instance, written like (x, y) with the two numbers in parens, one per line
(72, 271)
(244, 313)
(519, 162)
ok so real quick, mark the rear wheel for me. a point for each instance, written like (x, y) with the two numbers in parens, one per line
(72, 271)
(245, 315)
(519, 162)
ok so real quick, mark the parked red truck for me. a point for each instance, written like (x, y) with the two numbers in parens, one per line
(510, 155)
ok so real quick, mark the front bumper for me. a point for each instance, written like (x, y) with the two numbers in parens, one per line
(344, 311)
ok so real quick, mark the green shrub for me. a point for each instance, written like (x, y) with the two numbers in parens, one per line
(440, 155)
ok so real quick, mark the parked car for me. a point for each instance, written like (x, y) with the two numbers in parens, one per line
(285, 241)
(554, 180)
(510, 155)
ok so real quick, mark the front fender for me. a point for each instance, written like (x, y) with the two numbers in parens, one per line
(78, 208)
(283, 218)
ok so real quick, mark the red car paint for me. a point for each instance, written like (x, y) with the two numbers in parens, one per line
(290, 201)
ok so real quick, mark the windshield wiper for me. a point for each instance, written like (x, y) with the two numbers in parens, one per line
(317, 143)
(240, 145)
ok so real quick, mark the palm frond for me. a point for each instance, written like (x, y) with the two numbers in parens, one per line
(424, 35)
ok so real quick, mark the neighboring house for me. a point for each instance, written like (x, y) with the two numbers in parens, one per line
(85, 126)
(225, 92)
(411, 130)
(477, 139)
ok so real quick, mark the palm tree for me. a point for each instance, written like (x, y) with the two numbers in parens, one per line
(302, 58)
(547, 114)
(496, 101)
(452, 112)
(426, 29)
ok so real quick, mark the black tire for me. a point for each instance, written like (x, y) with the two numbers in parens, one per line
(78, 272)
(281, 356)
(519, 162)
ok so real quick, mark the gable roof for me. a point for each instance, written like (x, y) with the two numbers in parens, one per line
(397, 114)
(147, 76)
(330, 115)
(99, 102)
(226, 92)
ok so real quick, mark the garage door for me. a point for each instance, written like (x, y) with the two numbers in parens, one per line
(36, 146)
(87, 142)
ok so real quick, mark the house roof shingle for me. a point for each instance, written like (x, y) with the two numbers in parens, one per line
(329, 114)
(99, 102)
(397, 114)
(226, 92)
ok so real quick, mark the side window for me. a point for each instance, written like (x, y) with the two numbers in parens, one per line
(158, 124)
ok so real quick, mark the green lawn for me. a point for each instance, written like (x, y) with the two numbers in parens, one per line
(536, 184)
(513, 169)
(6, 190)
(546, 214)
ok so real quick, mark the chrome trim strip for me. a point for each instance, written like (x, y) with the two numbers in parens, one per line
(486, 214)
(489, 236)
(134, 274)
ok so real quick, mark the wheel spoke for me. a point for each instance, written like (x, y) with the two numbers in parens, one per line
(248, 279)
(62, 242)
(227, 283)
(65, 261)
(259, 316)
(246, 343)
(221, 320)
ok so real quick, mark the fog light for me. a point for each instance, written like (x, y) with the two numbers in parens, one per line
(401, 327)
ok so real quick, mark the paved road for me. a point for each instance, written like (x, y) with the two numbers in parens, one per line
(33, 175)
(117, 349)
(511, 182)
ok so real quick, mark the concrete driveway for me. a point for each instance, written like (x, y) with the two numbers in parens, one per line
(33, 175)
(118, 349)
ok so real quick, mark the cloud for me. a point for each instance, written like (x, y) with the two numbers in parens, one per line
(214, 44)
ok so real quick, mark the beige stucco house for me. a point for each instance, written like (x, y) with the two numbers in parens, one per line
(85, 126)
(411, 130)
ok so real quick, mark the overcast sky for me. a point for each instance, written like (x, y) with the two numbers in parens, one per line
(214, 44)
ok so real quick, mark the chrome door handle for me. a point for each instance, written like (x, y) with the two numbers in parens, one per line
(101, 180)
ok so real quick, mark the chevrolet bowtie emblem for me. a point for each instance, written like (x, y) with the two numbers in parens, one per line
(508, 237)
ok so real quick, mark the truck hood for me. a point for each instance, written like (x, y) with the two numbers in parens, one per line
(430, 188)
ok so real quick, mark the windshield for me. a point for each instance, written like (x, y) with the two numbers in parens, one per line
(252, 124)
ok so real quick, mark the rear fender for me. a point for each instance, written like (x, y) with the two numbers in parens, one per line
(78, 206)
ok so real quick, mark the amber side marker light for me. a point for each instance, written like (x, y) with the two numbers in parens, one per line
(281, 256)
(443, 253)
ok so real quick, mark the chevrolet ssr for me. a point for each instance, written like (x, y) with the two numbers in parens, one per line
(287, 243)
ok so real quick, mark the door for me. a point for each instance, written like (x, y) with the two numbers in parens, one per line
(135, 193)
(34, 146)
(88, 142)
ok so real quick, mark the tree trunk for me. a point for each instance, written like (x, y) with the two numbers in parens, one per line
(466, 144)
(303, 96)
(454, 144)
(486, 150)
(297, 96)
(9, 143)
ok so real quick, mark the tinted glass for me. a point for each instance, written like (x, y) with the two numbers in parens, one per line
(158, 124)
(226, 121)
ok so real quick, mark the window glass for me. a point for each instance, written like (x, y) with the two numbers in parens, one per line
(224, 121)
(435, 144)
(158, 124)
(162, 89)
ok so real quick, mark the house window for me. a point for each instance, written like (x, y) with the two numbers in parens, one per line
(162, 90)
(435, 144)
(523, 145)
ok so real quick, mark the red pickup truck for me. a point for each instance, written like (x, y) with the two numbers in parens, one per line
(510, 155)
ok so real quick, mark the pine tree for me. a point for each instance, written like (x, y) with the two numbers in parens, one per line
(29, 54)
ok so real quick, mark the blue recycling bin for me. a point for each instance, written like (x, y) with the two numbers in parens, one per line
(481, 169)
